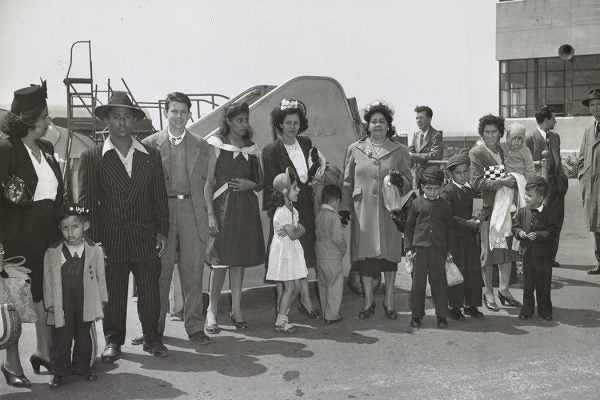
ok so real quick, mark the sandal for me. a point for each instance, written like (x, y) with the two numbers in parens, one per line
(212, 329)
(286, 328)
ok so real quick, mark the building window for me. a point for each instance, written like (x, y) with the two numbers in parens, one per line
(527, 84)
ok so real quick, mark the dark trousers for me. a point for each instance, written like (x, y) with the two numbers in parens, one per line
(537, 276)
(74, 330)
(146, 276)
(597, 246)
(466, 258)
(429, 262)
(556, 205)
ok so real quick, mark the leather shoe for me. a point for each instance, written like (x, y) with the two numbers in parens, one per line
(55, 382)
(37, 362)
(155, 347)
(366, 314)
(111, 353)
(547, 318)
(88, 376)
(442, 322)
(200, 337)
(594, 271)
(524, 317)
(14, 380)
(332, 321)
(456, 314)
(136, 341)
(473, 312)
(415, 322)
(389, 314)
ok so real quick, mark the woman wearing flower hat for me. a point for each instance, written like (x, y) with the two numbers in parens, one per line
(27, 226)
(290, 150)
(375, 242)
(237, 239)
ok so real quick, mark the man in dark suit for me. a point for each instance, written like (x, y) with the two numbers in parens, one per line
(544, 139)
(426, 143)
(123, 185)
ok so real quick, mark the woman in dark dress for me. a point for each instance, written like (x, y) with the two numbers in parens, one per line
(28, 228)
(290, 150)
(237, 238)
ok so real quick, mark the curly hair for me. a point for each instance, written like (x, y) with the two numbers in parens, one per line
(387, 113)
(278, 115)
(13, 126)
(490, 119)
(232, 111)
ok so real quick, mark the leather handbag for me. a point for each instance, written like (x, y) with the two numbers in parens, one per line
(14, 190)
(18, 288)
(10, 325)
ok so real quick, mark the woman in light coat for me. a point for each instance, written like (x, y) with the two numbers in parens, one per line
(375, 242)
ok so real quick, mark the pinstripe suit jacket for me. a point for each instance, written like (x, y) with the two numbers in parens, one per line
(126, 213)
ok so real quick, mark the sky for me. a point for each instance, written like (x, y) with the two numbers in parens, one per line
(407, 52)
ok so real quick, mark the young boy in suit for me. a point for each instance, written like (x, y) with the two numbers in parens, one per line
(429, 241)
(74, 295)
(459, 194)
(330, 247)
(536, 227)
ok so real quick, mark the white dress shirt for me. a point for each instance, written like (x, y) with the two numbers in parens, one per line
(47, 185)
(127, 160)
(297, 156)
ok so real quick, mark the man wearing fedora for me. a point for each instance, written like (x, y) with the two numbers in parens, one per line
(185, 165)
(543, 138)
(588, 165)
(123, 185)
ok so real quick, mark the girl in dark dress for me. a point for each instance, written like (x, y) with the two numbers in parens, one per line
(237, 238)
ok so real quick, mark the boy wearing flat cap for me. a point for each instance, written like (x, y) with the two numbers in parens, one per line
(428, 240)
(459, 194)
(74, 294)
(536, 227)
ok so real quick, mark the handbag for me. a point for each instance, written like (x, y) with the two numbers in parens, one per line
(10, 325)
(453, 275)
(400, 216)
(14, 189)
(16, 289)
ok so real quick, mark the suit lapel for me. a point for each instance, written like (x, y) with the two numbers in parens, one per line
(162, 143)
(112, 166)
(286, 162)
(139, 173)
(192, 149)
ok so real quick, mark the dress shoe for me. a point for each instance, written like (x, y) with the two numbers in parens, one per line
(111, 353)
(415, 322)
(555, 264)
(332, 321)
(442, 322)
(37, 362)
(14, 380)
(524, 317)
(594, 271)
(55, 382)
(155, 347)
(241, 325)
(492, 306)
(200, 337)
(389, 314)
(547, 318)
(508, 299)
(88, 376)
(473, 312)
(456, 314)
(212, 329)
(136, 341)
(366, 314)
(312, 314)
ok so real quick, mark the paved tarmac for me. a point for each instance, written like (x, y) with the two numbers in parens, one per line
(498, 357)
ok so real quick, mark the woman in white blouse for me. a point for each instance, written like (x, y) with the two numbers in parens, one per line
(290, 150)
(28, 228)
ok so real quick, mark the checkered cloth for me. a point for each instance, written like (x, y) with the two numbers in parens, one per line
(494, 172)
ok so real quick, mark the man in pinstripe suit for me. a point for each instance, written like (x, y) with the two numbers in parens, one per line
(123, 185)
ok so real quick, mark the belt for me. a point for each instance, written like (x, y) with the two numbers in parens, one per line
(180, 196)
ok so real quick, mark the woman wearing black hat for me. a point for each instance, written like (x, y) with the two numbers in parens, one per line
(375, 242)
(488, 156)
(237, 238)
(291, 150)
(27, 225)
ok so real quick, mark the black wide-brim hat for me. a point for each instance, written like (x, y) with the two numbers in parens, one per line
(593, 95)
(122, 100)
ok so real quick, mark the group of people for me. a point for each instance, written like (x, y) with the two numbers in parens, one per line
(177, 199)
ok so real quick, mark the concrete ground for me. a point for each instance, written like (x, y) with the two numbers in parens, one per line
(498, 357)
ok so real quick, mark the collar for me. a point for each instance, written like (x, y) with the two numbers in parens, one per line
(327, 207)
(540, 208)
(294, 146)
(424, 133)
(462, 186)
(75, 249)
(135, 145)
(244, 151)
(178, 139)
(542, 132)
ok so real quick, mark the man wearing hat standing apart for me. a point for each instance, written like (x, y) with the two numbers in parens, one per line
(543, 139)
(185, 164)
(123, 185)
(589, 173)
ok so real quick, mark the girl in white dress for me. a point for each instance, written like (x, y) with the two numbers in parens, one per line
(286, 257)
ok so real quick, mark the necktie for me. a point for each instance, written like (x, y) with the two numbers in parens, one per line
(176, 140)
(75, 255)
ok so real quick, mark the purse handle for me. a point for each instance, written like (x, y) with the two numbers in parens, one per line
(16, 261)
